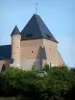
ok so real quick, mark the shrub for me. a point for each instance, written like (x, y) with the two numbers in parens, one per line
(57, 85)
(46, 68)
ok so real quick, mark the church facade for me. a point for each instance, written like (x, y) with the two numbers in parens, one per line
(33, 46)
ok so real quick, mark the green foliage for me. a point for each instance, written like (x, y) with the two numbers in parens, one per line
(8, 98)
(57, 85)
(46, 68)
(33, 68)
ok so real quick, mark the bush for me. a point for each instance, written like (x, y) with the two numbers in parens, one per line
(57, 85)
(46, 68)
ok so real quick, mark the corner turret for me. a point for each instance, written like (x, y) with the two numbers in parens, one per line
(15, 41)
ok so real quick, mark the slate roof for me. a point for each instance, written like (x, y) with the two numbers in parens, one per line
(15, 31)
(5, 52)
(36, 29)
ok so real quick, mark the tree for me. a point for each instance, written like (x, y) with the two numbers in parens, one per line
(57, 85)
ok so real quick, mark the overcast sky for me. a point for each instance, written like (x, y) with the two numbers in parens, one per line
(58, 15)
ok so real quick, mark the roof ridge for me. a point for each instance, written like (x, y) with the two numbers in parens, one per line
(38, 24)
(46, 27)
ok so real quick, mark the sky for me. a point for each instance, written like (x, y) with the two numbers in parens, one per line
(58, 15)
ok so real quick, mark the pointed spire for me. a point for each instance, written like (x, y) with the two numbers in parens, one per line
(15, 31)
(36, 7)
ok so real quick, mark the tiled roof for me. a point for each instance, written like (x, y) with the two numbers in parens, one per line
(5, 52)
(36, 29)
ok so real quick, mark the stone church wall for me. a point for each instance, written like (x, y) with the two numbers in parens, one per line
(51, 52)
(60, 60)
(30, 53)
(53, 56)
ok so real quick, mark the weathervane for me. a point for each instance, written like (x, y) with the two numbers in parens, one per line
(36, 7)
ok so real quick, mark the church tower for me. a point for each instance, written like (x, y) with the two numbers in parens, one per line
(15, 41)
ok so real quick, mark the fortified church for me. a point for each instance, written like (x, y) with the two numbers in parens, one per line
(34, 45)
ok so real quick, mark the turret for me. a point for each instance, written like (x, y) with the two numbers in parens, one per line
(15, 41)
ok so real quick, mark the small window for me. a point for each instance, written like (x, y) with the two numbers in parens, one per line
(32, 51)
(29, 35)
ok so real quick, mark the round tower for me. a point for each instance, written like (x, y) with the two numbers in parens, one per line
(15, 42)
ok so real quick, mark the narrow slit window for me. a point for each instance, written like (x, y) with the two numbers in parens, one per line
(32, 51)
